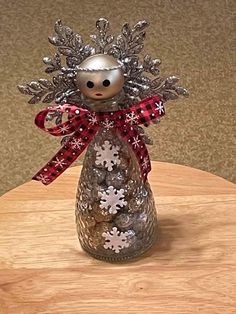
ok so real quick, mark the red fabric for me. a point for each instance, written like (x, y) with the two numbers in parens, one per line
(84, 124)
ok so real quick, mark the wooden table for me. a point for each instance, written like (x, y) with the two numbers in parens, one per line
(190, 270)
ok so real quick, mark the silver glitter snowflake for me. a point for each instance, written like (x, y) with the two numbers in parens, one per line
(141, 76)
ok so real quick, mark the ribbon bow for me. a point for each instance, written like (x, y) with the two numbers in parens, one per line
(84, 124)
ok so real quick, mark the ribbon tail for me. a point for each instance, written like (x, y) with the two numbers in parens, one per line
(64, 128)
(70, 151)
(134, 139)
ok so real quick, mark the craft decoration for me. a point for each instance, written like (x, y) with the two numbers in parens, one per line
(103, 95)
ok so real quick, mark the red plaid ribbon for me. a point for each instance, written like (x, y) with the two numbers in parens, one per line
(84, 124)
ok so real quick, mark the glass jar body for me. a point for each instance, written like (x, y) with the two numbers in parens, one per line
(115, 210)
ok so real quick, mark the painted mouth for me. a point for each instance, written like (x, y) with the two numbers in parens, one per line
(98, 94)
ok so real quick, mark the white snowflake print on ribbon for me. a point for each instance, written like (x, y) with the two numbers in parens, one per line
(112, 199)
(108, 124)
(44, 179)
(63, 129)
(131, 118)
(145, 162)
(136, 141)
(107, 155)
(76, 143)
(59, 162)
(92, 118)
(115, 240)
(160, 107)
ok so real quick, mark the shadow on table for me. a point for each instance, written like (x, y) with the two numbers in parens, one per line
(169, 231)
(177, 241)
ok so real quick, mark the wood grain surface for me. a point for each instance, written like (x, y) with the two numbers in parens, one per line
(191, 269)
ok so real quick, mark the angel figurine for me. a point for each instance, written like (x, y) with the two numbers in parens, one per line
(103, 95)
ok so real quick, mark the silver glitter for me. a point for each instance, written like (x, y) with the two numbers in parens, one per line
(125, 48)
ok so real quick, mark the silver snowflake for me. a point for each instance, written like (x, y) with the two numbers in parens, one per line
(112, 199)
(136, 141)
(59, 162)
(142, 74)
(160, 107)
(107, 155)
(76, 143)
(92, 118)
(115, 240)
(131, 118)
(108, 124)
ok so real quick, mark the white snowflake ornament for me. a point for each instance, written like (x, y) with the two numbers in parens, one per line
(115, 240)
(107, 155)
(112, 199)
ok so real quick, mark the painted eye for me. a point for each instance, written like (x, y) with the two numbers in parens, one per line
(90, 84)
(106, 83)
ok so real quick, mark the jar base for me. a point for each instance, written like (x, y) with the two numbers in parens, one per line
(123, 259)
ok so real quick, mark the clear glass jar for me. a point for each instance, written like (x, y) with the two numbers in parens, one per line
(115, 210)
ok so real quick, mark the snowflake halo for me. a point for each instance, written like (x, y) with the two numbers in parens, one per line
(141, 77)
